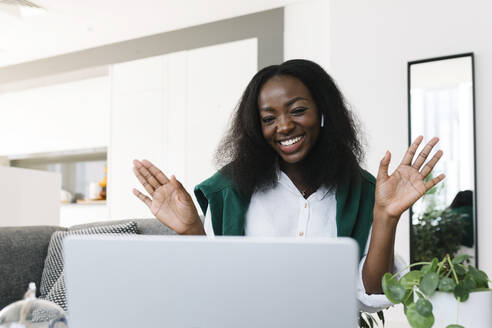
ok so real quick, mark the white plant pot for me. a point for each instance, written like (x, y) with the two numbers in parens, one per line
(476, 312)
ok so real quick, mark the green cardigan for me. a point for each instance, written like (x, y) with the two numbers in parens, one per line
(355, 203)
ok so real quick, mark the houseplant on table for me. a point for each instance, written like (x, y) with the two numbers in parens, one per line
(439, 288)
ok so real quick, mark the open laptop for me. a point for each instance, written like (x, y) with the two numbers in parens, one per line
(197, 282)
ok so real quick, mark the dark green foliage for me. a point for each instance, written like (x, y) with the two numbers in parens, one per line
(381, 316)
(437, 233)
(368, 320)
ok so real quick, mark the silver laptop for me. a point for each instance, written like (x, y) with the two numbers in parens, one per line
(195, 282)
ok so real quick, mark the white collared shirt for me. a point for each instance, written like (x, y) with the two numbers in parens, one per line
(282, 211)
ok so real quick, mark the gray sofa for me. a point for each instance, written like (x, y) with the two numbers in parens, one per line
(23, 251)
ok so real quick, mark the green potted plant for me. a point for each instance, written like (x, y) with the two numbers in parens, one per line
(370, 320)
(446, 293)
(437, 233)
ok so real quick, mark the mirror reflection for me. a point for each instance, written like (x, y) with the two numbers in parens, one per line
(441, 103)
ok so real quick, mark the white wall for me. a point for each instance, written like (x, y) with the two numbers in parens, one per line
(371, 43)
(307, 31)
(29, 197)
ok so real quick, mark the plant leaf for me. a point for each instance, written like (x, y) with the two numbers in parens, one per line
(434, 264)
(454, 326)
(484, 279)
(429, 283)
(460, 259)
(460, 270)
(371, 320)
(392, 289)
(480, 277)
(424, 307)
(429, 267)
(408, 298)
(461, 292)
(362, 322)
(446, 284)
(381, 316)
(469, 282)
(416, 320)
(410, 279)
(426, 268)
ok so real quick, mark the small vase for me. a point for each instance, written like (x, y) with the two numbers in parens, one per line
(476, 312)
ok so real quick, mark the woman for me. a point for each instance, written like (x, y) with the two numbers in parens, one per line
(291, 168)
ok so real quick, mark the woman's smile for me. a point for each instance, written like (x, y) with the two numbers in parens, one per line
(291, 145)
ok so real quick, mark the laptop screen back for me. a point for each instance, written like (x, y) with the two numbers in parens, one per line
(144, 281)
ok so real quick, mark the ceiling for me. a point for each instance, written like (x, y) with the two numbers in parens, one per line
(71, 25)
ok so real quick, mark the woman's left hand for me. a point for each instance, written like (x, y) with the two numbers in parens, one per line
(395, 193)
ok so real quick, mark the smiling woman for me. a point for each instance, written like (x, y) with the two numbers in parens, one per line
(290, 167)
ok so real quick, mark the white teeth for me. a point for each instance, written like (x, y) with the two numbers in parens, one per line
(290, 141)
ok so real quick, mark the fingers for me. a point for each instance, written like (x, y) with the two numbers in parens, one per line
(383, 166)
(425, 153)
(431, 183)
(148, 187)
(430, 165)
(408, 157)
(161, 177)
(142, 197)
(147, 176)
(427, 169)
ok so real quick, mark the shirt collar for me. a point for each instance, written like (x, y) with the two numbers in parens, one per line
(284, 180)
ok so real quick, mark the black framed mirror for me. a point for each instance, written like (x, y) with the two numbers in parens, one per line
(441, 102)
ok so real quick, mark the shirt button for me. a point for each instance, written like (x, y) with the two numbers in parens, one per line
(301, 233)
(305, 205)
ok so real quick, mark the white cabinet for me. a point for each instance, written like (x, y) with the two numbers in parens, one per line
(54, 118)
(29, 197)
(136, 130)
(217, 77)
(173, 110)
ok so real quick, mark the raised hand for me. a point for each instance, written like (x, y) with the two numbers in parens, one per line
(169, 202)
(395, 193)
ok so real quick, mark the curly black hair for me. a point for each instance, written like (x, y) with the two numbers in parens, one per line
(250, 162)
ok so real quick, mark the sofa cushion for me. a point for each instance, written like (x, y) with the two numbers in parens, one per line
(22, 254)
(145, 226)
(53, 267)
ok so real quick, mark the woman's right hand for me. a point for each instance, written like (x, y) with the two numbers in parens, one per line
(169, 201)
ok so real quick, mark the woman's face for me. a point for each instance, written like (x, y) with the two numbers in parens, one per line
(289, 117)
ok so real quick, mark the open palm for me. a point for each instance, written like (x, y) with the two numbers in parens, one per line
(395, 193)
(170, 203)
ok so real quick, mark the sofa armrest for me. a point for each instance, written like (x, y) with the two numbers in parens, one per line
(22, 254)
